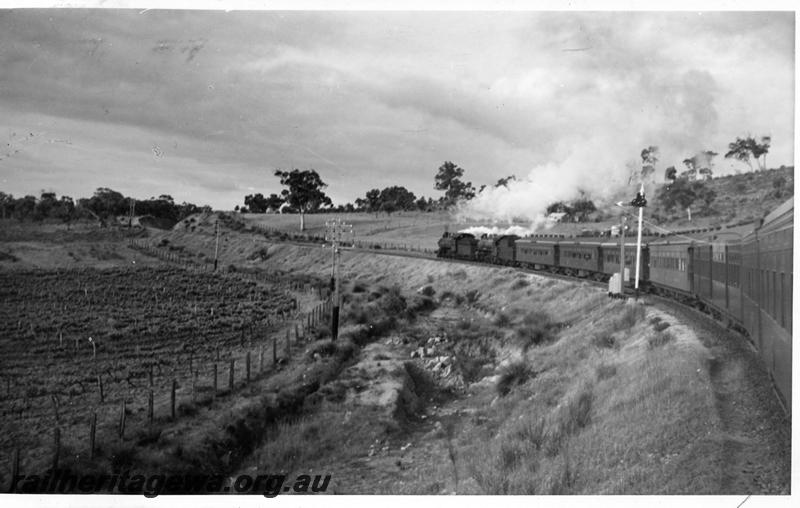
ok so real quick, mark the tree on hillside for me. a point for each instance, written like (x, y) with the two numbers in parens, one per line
(397, 198)
(47, 202)
(65, 209)
(681, 194)
(649, 159)
(760, 150)
(448, 179)
(671, 173)
(6, 204)
(304, 191)
(699, 164)
(24, 207)
(560, 207)
(107, 202)
(505, 181)
(743, 149)
(582, 207)
(373, 200)
(274, 202)
(256, 203)
(422, 204)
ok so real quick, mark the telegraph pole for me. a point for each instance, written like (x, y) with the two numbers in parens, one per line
(216, 248)
(639, 202)
(131, 213)
(622, 255)
(334, 230)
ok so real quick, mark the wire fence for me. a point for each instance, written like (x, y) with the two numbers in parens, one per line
(111, 408)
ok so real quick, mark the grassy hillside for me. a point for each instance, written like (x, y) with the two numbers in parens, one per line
(739, 198)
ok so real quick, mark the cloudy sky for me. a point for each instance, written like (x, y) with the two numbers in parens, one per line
(206, 105)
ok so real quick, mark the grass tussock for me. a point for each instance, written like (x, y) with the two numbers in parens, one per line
(660, 327)
(659, 339)
(520, 283)
(604, 341)
(531, 454)
(513, 374)
(536, 328)
(501, 320)
(605, 371)
(631, 315)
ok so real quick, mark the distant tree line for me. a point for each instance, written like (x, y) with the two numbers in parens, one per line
(303, 189)
(104, 204)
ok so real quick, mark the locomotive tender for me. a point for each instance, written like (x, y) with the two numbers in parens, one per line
(744, 281)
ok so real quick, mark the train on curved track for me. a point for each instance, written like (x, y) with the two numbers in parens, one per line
(745, 281)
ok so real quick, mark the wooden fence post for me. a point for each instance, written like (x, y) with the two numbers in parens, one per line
(247, 367)
(288, 338)
(230, 376)
(150, 407)
(122, 417)
(14, 470)
(261, 360)
(56, 447)
(172, 398)
(100, 385)
(92, 435)
(215, 380)
(296, 334)
(274, 351)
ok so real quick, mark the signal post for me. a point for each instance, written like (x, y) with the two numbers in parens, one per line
(334, 232)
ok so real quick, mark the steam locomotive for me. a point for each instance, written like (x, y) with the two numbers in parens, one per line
(745, 281)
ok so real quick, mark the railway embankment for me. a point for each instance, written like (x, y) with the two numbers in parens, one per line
(514, 383)
(452, 377)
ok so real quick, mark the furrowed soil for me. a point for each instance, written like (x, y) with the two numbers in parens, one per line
(460, 378)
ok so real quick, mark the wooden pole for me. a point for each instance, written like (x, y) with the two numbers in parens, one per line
(247, 366)
(150, 407)
(215, 380)
(14, 470)
(122, 416)
(274, 351)
(100, 385)
(172, 398)
(56, 447)
(92, 435)
(288, 338)
(261, 360)
(230, 376)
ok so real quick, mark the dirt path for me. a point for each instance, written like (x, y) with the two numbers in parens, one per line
(756, 445)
